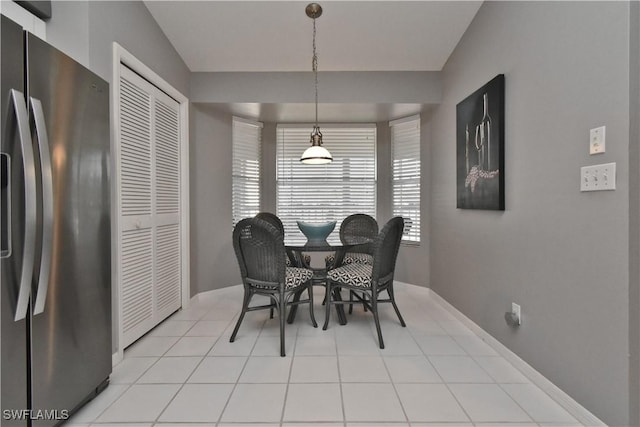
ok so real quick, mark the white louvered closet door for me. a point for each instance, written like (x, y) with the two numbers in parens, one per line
(149, 205)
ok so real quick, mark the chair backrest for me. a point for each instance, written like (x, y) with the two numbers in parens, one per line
(356, 226)
(271, 219)
(259, 247)
(385, 250)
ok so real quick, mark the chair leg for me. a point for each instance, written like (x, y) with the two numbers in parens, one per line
(271, 313)
(350, 302)
(245, 304)
(313, 318)
(282, 314)
(326, 290)
(294, 308)
(395, 306)
(327, 310)
(376, 319)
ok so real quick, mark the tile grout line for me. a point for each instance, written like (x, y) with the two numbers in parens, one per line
(344, 411)
(395, 389)
(440, 376)
(130, 386)
(233, 389)
(189, 376)
(293, 355)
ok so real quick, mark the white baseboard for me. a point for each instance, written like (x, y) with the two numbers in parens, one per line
(581, 414)
(116, 358)
(219, 291)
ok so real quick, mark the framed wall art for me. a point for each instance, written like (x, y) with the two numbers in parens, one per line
(480, 148)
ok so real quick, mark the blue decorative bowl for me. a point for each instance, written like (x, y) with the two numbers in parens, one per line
(316, 233)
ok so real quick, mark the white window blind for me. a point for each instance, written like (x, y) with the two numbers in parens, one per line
(318, 193)
(405, 155)
(247, 138)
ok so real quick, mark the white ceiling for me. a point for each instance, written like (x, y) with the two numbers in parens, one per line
(351, 35)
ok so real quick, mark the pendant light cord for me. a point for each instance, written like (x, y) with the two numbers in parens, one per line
(314, 66)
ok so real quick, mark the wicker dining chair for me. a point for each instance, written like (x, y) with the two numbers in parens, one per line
(352, 230)
(259, 247)
(274, 220)
(368, 281)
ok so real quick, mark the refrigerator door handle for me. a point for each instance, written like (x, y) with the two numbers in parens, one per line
(28, 254)
(47, 204)
(5, 215)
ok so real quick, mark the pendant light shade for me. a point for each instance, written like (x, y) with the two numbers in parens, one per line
(316, 154)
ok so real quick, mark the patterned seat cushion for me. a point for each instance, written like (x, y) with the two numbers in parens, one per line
(358, 258)
(354, 274)
(351, 258)
(294, 277)
(297, 276)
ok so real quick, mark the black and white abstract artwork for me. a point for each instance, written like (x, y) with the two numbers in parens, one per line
(480, 148)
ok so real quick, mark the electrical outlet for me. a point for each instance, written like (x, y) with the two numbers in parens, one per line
(597, 140)
(598, 177)
(515, 309)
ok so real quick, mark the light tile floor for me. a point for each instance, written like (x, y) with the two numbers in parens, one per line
(185, 373)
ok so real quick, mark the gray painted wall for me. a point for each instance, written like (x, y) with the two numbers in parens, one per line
(131, 25)
(213, 261)
(567, 70)
(85, 30)
(268, 184)
(414, 263)
(68, 29)
(634, 214)
(339, 87)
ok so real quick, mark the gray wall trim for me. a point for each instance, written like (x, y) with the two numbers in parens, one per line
(421, 87)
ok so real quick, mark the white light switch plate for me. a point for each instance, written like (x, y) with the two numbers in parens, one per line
(597, 140)
(598, 177)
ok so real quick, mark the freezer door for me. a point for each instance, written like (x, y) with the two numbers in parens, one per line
(71, 337)
(13, 368)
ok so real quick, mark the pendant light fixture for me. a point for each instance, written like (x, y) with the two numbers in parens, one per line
(316, 154)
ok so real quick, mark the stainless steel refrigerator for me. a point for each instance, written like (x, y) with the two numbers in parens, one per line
(56, 238)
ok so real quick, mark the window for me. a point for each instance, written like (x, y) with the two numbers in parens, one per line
(405, 157)
(247, 138)
(317, 193)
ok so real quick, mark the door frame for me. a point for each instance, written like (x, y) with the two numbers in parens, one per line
(122, 57)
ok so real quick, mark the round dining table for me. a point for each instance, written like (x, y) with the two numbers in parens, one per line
(296, 252)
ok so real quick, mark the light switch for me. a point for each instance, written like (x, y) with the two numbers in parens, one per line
(598, 177)
(597, 140)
